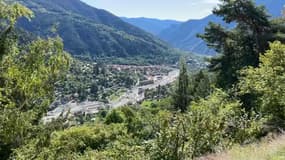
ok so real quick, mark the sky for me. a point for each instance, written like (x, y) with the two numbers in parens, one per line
(181, 10)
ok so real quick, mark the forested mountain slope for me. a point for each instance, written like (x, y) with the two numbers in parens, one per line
(184, 36)
(184, 121)
(87, 30)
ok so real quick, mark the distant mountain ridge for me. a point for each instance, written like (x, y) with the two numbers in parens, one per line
(154, 26)
(184, 35)
(87, 30)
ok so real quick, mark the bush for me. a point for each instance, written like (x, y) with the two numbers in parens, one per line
(114, 117)
(267, 81)
(211, 124)
(68, 144)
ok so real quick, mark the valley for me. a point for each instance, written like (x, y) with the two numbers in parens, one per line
(155, 76)
(88, 80)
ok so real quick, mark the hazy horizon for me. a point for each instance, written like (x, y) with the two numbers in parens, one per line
(180, 10)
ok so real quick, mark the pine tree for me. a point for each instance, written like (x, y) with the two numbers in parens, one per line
(200, 86)
(181, 96)
(239, 47)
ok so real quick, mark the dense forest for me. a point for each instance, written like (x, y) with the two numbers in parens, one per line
(237, 100)
(98, 33)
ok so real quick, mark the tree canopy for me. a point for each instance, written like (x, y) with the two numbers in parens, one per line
(28, 74)
(267, 81)
(240, 46)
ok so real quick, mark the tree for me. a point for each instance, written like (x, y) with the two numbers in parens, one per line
(213, 122)
(94, 89)
(249, 17)
(200, 86)
(267, 81)
(96, 70)
(172, 140)
(28, 88)
(72, 142)
(114, 117)
(28, 75)
(9, 14)
(239, 47)
(181, 95)
(219, 121)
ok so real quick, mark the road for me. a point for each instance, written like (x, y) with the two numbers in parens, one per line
(132, 96)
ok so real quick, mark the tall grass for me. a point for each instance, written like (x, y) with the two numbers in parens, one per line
(267, 149)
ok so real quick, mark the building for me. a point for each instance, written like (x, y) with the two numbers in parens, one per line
(146, 82)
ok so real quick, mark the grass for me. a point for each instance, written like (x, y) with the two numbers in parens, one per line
(115, 96)
(268, 149)
(148, 103)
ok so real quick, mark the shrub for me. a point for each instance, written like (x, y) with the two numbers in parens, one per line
(114, 117)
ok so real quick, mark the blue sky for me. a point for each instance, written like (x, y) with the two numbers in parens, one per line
(162, 9)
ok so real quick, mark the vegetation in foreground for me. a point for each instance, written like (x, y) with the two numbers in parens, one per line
(267, 149)
(189, 124)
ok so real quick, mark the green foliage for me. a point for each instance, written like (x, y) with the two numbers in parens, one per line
(172, 140)
(118, 152)
(98, 33)
(244, 12)
(181, 95)
(9, 14)
(114, 117)
(213, 121)
(28, 74)
(200, 85)
(70, 143)
(28, 87)
(267, 81)
(158, 93)
(190, 88)
(220, 121)
(241, 46)
(212, 124)
(127, 140)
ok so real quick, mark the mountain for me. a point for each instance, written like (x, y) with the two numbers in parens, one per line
(153, 26)
(91, 31)
(184, 37)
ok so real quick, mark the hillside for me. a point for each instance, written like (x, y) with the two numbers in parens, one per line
(184, 37)
(90, 31)
(55, 107)
(153, 26)
(269, 149)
